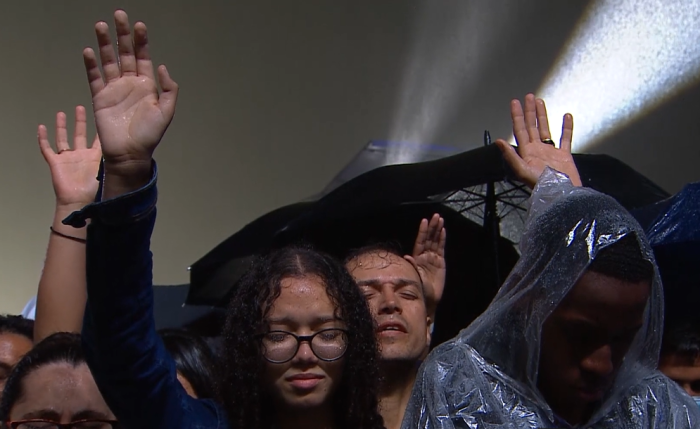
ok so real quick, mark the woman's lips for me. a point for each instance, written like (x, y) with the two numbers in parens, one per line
(305, 381)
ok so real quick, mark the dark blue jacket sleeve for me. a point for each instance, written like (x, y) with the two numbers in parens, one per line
(134, 372)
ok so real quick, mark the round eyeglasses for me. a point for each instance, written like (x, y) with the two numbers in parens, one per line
(281, 346)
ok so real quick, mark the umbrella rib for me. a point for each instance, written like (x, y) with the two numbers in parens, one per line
(466, 209)
(515, 206)
(467, 191)
(467, 200)
(515, 187)
(514, 190)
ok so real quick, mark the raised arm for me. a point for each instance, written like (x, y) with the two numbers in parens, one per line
(133, 370)
(130, 114)
(429, 259)
(62, 294)
(536, 150)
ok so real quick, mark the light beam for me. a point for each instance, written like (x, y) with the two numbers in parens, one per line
(624, 59)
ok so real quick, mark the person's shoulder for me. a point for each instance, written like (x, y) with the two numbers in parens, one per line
(456, 367)
(450, 356)
(207, 414)
(672, 406)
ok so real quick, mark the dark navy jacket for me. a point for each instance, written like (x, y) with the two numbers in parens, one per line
(134, 372)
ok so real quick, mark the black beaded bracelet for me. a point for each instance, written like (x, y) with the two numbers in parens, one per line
(69, 237)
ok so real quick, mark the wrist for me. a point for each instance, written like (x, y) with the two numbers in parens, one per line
(63, 209)
(66, 230)
(122, 177)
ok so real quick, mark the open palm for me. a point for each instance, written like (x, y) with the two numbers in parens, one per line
(429, 258)
(130, 115)
(73, 170)
(531, 130)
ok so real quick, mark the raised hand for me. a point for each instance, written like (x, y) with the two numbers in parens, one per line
(131, 116)
(73, 170)
(429, 259)
(536, 150)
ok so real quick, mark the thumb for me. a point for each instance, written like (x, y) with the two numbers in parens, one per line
(96, 143)
(516, 163)
(44, 145)
(412, 260)
(168, 97)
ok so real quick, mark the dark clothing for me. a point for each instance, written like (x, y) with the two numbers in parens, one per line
(134, 372)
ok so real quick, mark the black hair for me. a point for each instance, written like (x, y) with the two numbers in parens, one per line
(682, 338)
(194, 360)
(355, 402)
(381, 247)
(383, 250)
(60, 347)
(623, 260)
(17, 325)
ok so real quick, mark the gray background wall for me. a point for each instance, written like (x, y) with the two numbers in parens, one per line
(276, 96)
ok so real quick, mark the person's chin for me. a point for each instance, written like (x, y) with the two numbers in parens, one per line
(306, 400)
(398, 353)
(394, 340)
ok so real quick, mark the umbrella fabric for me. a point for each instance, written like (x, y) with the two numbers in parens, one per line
(673, 228)
(388, 203)
(391, 188)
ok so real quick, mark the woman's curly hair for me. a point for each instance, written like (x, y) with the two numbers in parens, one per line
(355, 403)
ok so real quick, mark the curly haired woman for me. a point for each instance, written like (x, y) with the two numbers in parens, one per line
(300, 348)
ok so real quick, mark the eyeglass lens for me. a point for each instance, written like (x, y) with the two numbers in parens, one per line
(280, 346)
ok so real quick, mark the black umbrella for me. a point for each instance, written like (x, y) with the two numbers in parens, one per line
(388, 203)
(170, 310)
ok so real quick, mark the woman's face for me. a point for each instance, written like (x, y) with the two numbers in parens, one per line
(62, 393)
(303, 308)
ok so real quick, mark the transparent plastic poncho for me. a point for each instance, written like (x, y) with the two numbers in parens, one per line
(485, 377)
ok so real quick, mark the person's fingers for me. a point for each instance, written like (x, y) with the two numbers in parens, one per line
(542, 121)
(144, 65)
(433, 224)
(413, 262)
(434, 233)
(107, 55)
(443, 241)
(125, 45)
(519, 129)
(516, 163)
(80, 132)
(531, 118)
(168, 98)
(422, 235)
(567, 132)
(61, 133)
(44, 144)
(96, 145)
(94, 75)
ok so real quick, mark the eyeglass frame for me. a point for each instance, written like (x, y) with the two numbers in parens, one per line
(300, 339)
(15, 424)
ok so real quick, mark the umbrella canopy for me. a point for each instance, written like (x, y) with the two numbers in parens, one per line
(673, 228)
(387, 203)
(170, 311)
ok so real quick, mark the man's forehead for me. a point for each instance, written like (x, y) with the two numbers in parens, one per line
(598, 290)
(381, 264)
(681, 362)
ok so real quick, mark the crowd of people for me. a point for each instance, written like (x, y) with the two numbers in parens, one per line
(575, 337)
